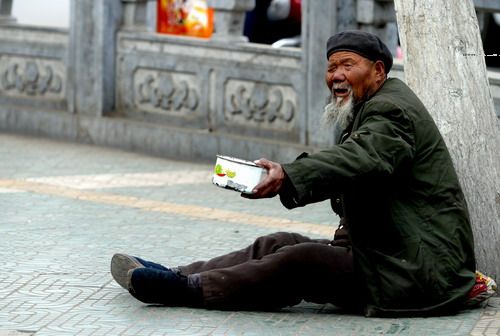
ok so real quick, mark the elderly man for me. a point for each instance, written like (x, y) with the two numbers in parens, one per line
(405, 243)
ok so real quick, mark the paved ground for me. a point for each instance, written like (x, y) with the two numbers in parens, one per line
(66, 208)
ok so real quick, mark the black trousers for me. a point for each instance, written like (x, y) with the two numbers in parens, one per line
(279, 270)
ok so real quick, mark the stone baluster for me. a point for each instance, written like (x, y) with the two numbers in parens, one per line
(139, 15)
(379, 17)
(6, 12)
(229, 19)
(91, 56)
(319, 22)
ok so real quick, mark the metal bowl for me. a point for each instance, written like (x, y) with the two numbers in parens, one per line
(237, 174)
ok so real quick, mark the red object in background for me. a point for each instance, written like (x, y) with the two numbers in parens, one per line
(185, 17)
(295, 10)
(169, 18)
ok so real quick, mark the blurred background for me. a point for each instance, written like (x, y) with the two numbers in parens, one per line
(275, 22)
(47, 13)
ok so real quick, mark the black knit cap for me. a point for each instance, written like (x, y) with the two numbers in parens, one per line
(361, 43)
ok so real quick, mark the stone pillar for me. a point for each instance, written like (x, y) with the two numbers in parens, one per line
(346, 15)
(229, 19)
(319, 22)
(379, 17)
(139, 15)
(6, 12)
(91, 56)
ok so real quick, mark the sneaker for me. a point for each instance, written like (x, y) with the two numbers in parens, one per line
(121, 264)
(150, 264)
(484, 288)
(151, 285)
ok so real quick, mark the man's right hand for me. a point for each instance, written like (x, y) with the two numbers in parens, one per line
(271, 184)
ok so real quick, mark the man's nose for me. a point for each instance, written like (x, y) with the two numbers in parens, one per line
(335, 77)
(338, 76)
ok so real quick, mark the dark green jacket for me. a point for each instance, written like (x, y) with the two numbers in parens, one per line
(399, 193)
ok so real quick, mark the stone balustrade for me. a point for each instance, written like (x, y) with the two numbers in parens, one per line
(111, 80)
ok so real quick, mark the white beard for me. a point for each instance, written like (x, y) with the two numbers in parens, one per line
(338, 113)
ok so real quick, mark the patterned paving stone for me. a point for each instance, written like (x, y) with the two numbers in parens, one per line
(106, 181)
(489, 323)
(55, 249)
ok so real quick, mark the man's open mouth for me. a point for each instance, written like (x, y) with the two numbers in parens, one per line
(341, 92)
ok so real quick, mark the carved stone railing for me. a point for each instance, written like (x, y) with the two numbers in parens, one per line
(111, 80)
(217, 87)
(33, 69)
(222, 86)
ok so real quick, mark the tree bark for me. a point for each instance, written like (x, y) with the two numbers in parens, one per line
(445, 66)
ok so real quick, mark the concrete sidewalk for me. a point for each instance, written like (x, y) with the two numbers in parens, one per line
(66, 208)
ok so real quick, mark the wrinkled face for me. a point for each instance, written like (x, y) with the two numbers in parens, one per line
(351, 76)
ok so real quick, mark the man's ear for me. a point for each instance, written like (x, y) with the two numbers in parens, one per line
(380, 70)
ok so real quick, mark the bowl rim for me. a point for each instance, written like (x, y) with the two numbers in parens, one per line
(237, 160)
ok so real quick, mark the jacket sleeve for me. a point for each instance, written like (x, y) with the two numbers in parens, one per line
(382, 144)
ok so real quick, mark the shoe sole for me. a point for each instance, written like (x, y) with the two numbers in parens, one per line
(121, 264)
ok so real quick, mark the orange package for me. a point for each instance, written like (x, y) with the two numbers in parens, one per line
(185, 17)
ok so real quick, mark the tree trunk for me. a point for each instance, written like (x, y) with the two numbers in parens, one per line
(445, 66)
